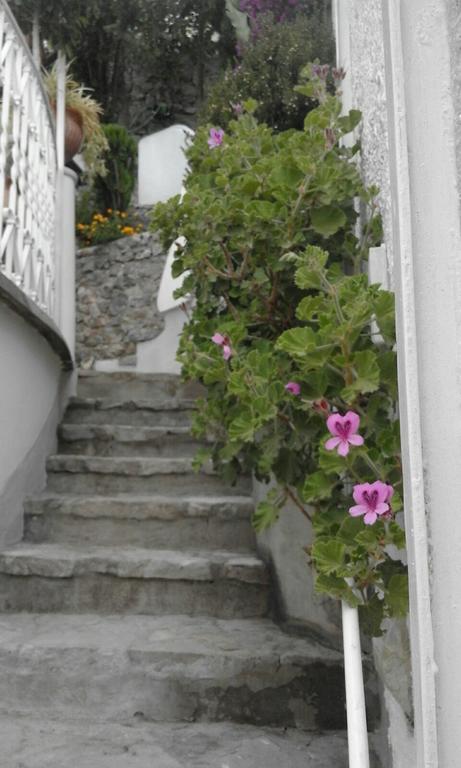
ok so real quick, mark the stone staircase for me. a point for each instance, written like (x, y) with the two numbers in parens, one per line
(136, 624)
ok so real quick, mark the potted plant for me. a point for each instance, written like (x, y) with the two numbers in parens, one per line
(83, 129)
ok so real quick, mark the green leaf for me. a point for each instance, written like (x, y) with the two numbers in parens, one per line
(336, 587)
(242, 428)
(265, 515)
(397, 594)
(297, 342)
(368, 536)
(348, 122)
(384, 308)
(387, 362)
(327, 220)
(309, 307)
(397, 502)
(262, 209)
(306, 278)
(349, 530)
(250, 106)
(328, 556)
(371, 616)
(201, 457)
(331, 462)
(396, 533)
(367, 372)
(317, 486)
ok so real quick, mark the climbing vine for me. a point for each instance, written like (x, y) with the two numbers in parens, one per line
(296, 349)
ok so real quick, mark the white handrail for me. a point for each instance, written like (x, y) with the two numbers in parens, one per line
(357, 734)
(28, 169)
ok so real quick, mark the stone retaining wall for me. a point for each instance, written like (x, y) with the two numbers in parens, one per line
(117, 285)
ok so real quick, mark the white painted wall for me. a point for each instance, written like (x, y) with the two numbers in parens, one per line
(162, 164)
(422, 223)
(32, 390)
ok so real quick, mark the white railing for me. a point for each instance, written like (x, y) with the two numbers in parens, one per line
(28, 170)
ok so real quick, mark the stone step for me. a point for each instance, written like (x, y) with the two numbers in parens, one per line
(123, 440)
(148, 413)
(113, 475)
(152, 521)
(169, 669)
(72, 579)
(95, 744)
(123, 385)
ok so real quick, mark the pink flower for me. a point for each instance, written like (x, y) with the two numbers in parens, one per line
(293, 387)
(344, 429)
(238, 108)
(218, 338)
(223, 341)
(216, 137)
(372, 501)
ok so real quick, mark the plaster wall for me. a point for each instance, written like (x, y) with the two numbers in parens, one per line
(32, 390)
(360, 47)
(428, 35)
(283, 547)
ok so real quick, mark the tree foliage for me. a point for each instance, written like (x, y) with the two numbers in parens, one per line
(268, 71)
(157, 42)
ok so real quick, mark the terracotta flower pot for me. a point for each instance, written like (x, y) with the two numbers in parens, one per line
(73, 133)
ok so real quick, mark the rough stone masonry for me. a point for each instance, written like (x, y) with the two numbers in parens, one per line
(117, 285)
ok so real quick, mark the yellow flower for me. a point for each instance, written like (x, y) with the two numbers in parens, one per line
(127, 230)
(109, 210)
(123, 215)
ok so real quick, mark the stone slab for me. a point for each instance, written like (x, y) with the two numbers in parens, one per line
(34, 743)
(166, 412)
(71, 579)
(157, 522)
(124, 385)
(118, 474)
(123, 440)
(143, 507)
(169, 668)
(62, 562)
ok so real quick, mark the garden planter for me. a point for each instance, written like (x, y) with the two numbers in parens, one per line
(73, 133)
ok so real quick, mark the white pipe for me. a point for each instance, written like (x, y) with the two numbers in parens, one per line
(357, 734)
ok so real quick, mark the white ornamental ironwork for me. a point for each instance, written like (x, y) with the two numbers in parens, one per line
(28, 170)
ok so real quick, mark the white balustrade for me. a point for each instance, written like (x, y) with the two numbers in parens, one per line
(28, 170)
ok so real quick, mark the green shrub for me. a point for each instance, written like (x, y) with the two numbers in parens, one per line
(114, 190)
(268, 72)
(284, 334)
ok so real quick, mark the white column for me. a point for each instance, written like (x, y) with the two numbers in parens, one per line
(66, 258)
(427, 248)
(341, 21)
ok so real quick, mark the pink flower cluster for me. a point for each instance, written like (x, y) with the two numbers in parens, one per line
(372, 499)
(224, 342)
